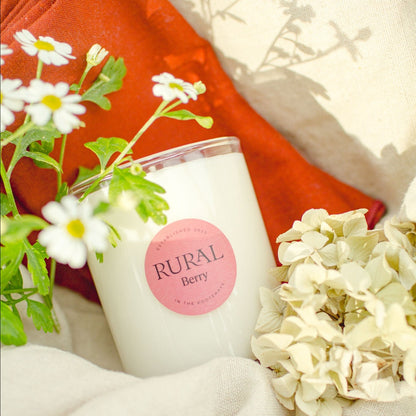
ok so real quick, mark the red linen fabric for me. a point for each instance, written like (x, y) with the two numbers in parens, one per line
(152, 37)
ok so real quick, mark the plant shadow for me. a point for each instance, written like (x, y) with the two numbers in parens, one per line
(288, 100)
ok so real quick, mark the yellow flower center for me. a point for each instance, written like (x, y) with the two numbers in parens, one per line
(44, 46)
(1, 97)
(175, 85)
(52, 101)
(76, 228)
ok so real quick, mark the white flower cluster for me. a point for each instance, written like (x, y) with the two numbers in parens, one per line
(74, 231)
(170, 88)
(45, 101)
(341, 325)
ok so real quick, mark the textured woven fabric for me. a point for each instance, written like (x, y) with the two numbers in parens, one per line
(153, 37)
(55, 381)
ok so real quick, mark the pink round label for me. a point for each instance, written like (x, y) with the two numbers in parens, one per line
(190, 267)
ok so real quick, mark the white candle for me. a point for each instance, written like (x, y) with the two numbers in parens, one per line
(177, 296)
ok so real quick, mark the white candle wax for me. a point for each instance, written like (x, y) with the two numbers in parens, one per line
(208, 300)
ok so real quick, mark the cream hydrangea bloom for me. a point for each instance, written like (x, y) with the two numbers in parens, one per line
(271, 314)
(53, 101)
(74, 232)
(342, 320)
(48, 50)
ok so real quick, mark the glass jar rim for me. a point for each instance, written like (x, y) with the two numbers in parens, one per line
(171, 157)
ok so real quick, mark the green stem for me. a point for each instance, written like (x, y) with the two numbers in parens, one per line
(171, 107)
(97, 84)
(24, 297)
(39, 69)
(19, 132)
(23, 290)
(52, 274)
(158, 113)
(49, 304)
(8, 189)
(61, 161)
(83, 76)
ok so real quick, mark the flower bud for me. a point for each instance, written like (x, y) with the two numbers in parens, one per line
(136, 169)
(96, 55)
(200, 87)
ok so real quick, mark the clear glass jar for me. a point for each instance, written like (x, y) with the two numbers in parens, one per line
(179, 295)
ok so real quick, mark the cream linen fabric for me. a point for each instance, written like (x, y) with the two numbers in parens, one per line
(78, 373)
(338, 79)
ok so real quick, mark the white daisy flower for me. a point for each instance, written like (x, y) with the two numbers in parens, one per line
(168, 87)
(74, 231)
(49, 100)
(10, 100)
(5, 50)
(49, 50)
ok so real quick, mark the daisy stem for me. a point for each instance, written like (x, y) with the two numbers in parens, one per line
(23, 290)
(19, 132)
(29, 293)
(39, 69)
(61, 161)
(8, 189)
(83, 76)
(133, 141)
(49, 298)
(175, 104)
(52, 274)
(15, 211)
(158, 113)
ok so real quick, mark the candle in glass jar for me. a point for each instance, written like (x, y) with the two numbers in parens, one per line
(179, 295)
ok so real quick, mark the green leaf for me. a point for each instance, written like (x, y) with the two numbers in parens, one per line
(45, 146)
(12, 332)
(5, 134)
(113, 236)
(47, 133)
(5, 205)
(37, 268)
(40, 314)
(109, 80)
(16, 282)
(101, 208)
(11, 258)
(17, 228)
(43, 160)
(99, 257)
(148, 203)
(85, 173)
(41, 249)
(104, 148)
(205, 122)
